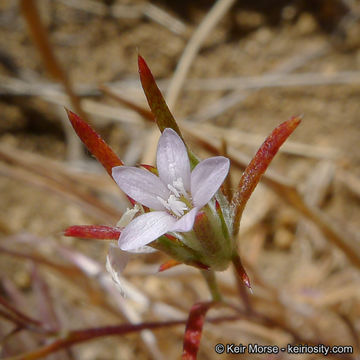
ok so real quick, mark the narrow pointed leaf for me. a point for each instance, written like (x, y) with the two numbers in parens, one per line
(194, 328)
(258, 165)
(99, 232)
(95, 144)
(168, 265)
(160, 110)
(158, 106)
(241, 271)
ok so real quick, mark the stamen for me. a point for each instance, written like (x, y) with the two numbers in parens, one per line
(173, 203)
(179, 185)
(176, 206)
(173, 190)
(128, 216)
(163, 202)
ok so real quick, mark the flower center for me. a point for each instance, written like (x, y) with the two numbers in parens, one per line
(175, 203)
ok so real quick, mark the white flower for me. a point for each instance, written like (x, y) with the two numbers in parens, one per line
(175, 196)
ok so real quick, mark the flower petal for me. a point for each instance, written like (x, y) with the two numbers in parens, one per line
(206, 179)
(172, 159)
(141, 185)
(142, 250)
(116, 261)
(186, 223)
(144, 229)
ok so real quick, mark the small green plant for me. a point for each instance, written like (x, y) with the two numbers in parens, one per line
(179, 206)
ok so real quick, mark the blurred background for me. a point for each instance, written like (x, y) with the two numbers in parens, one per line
(231, 71)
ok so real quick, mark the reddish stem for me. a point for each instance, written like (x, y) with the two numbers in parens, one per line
(194, 328)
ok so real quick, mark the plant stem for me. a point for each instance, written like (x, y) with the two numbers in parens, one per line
(212, 284)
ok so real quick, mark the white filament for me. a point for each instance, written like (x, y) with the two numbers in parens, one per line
(173, 203)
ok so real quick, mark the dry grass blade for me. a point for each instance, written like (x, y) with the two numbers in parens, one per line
(237, 96)
(18, 314)
(144, 113)
(19, 301)
(236, 137)
(163, 18)
(65, 270)
(46, 308)
(12, 318)
(315, 190)
(41, 40)
(16, 87)
(79, 336)
(54, 169)
(215, 14)
(273, 80)
(349, 180)
(133, 11)
(88, 203)
(69, 272)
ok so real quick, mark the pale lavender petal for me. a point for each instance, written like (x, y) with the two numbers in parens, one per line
(141, 185)
(143, 250)
(144, 229)
(206, 179)
(116, 260)
(172, 159)
(186, 223)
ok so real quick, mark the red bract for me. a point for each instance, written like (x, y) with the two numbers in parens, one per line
(160, 110)
(168, 265)
(95, 144)
(259, 164)
(241, 271)
(100, 232)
